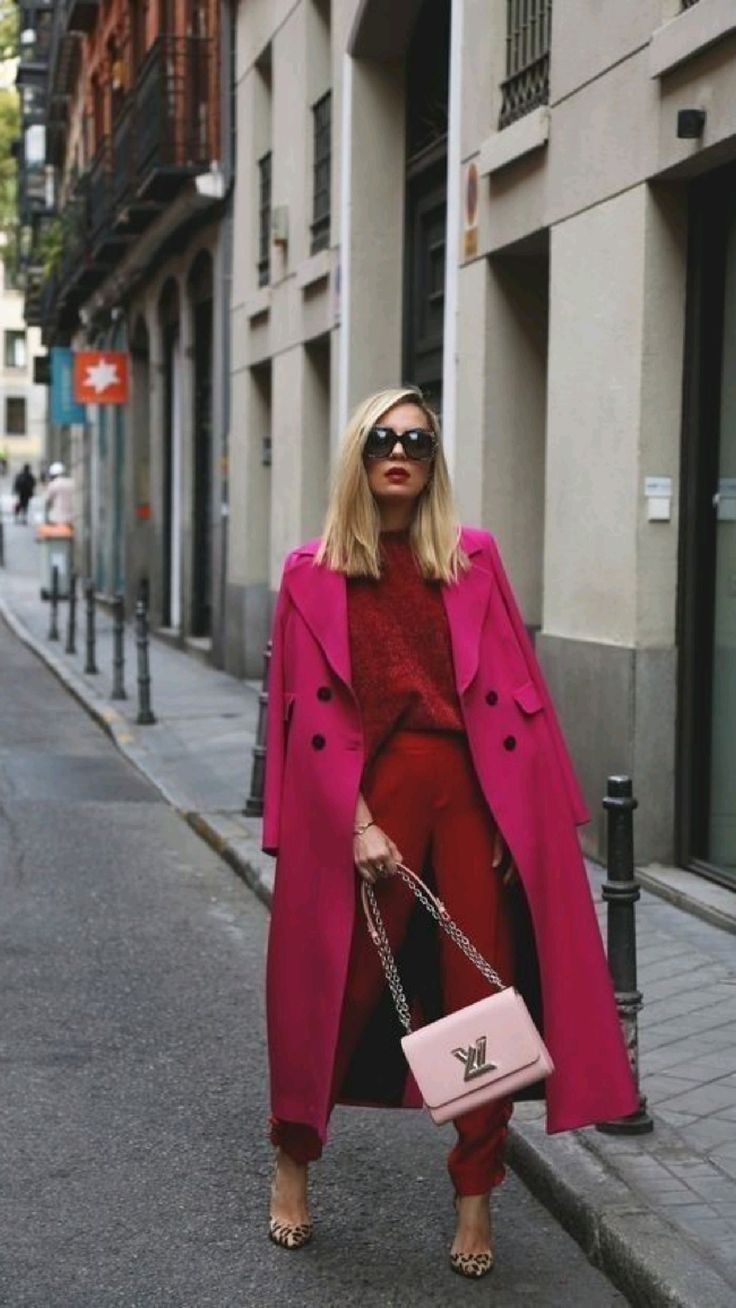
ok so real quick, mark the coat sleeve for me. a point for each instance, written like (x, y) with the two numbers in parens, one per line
(572, 786)
(275, 728)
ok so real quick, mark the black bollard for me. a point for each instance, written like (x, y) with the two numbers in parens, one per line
(621, 892)
(145, 713)
(54, 609)
(118, 648)
(254, 802)
(90, 666)
(71, 626)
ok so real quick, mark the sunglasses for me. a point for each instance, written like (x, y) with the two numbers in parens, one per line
(417, 443)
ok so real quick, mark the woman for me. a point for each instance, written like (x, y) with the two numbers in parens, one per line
(409, 722)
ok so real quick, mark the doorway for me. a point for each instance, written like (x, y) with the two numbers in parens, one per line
(171, 459)
(707, 798)
(200, 296)
(427, 89)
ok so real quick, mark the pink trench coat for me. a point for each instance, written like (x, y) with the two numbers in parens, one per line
(314, 764)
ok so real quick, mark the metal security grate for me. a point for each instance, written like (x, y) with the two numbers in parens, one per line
(528, 30)
(322, 115)
(264, 220)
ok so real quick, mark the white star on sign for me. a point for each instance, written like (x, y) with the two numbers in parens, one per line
(101, 375)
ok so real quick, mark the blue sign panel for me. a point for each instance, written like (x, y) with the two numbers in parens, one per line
(64, 409)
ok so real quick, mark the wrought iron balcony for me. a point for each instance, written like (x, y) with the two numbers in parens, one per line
(528, 32)
(100, 193)
(176, 126)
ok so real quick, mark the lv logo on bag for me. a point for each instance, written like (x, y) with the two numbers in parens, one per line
(474, 1058)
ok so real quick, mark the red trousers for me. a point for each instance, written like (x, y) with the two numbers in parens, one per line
(423, 792)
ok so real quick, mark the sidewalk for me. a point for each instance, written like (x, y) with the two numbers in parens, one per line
(658, 1212)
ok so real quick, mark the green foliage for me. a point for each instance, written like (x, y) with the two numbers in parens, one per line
(9, 14)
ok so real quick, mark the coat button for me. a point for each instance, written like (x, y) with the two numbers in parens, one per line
(324, 693)
(492, 697)
(510, 742)
(318, 742)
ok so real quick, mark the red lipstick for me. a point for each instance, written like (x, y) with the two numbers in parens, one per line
(397, 474)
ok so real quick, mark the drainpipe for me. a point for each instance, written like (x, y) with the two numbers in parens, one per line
(228, 19)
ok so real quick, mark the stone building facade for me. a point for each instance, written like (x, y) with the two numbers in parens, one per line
(529, 210)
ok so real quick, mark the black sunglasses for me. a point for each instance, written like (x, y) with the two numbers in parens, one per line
(417, 443)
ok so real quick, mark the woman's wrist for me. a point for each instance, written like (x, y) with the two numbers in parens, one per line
(362, 827)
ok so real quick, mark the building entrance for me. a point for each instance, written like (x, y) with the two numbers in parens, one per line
(708, 752)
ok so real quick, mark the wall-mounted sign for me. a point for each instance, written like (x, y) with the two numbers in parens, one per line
(471, 211)
(64, 408)
(101, 377)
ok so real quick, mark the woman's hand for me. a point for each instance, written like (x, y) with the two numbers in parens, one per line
(511, 875)
(375, 854)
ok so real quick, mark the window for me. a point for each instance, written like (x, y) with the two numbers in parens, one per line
(322, 115)
(264, 220)
(15, 350)
(15, 415)
(528, 30)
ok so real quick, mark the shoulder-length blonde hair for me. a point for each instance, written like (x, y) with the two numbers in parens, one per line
(350, 542)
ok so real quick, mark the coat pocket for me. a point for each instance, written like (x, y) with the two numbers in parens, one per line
(288, 706)
(528, 698)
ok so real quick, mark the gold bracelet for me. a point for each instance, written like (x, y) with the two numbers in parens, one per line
(360, 830)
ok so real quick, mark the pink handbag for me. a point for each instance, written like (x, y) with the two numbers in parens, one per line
(485, 1051)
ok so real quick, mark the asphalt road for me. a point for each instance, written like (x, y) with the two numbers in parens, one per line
(132, 1096)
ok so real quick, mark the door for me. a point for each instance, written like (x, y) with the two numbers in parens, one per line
(708, 740)
(426, 222)
(202, 507)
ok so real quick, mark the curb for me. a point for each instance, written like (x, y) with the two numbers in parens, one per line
(639, 1252)
(616, 1228)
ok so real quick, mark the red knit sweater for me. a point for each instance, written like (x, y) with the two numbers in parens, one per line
(400, 649)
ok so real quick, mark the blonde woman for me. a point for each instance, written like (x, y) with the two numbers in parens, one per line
(409, 722)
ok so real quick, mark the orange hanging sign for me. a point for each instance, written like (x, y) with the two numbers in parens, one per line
(101, 377)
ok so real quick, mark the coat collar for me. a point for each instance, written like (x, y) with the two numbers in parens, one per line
(320, 595)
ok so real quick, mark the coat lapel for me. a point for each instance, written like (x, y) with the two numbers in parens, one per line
(466, 602)
(320, 595)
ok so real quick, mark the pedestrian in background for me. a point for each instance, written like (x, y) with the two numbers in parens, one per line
(408, 721)
(59, 505)
(24, 488)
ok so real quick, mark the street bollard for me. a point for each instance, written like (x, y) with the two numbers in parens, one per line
(118, 648)
(54, 607)
(254, 802)
(71, 625)
(145, 712)
(621, 892)
(90, 666)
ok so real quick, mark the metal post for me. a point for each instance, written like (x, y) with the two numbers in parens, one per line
(145, 712)
(71, 626)
(118, 648)
(621, 892)
(54, 608)
(90, 666)
(254, 802)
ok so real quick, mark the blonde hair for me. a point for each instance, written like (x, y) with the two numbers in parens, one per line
(350, 542)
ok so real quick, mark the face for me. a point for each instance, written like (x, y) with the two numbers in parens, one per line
(397, 479)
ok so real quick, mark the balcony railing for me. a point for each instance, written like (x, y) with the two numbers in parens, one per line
(100, 192)
(528, 31)
(174, 100)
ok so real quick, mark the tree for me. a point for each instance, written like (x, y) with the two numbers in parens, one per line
(9, 132)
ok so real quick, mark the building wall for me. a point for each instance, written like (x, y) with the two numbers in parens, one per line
(17, 383)
(564, 327)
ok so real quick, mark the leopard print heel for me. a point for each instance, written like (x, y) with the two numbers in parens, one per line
(287, 1236)
(472, 1266)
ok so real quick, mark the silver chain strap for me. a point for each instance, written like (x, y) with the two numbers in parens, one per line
(438, 911)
